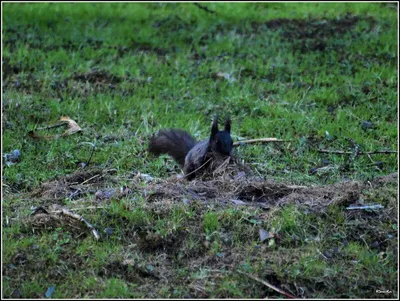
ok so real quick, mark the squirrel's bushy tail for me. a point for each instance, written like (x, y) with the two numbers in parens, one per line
(174, 142)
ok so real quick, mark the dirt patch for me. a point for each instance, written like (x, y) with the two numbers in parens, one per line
(16, 79)
(314, 34)
(97, 77)
(82, 182)
(234, 184)
(128, 270)
(223, 183)
(24, 79)
(9, 70)
(380, 181)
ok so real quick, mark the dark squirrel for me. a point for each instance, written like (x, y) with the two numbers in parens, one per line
(190, 154)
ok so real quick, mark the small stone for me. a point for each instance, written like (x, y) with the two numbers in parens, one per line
(240, 174)
(328, 254)
(14, 157)
(109, 231)
(265, 235)
(16, 294)
(374, 245)
(367, 125)
(330, 109)
(50, 291)
(105, 194)
(99, 195)
(146, 177)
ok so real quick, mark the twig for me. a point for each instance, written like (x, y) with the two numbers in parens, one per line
(51, 126)
(204, 8)
(91, 154)
(79, 218)
(264, 140)
(87, 208)
(378, 206)
(359, 153)
(95, 176)
(296, 187)
(222, 165)
(67, 212)
(269, 285)
(198, 167)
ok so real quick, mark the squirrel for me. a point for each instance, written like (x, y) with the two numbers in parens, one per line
(187, 152)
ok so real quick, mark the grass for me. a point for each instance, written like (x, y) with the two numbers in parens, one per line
(314, 73)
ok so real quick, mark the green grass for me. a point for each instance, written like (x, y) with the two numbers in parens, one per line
(313, 73)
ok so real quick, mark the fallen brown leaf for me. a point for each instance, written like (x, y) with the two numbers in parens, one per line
(72, 128)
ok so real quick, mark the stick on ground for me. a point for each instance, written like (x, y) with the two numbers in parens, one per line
(198, 167)
(269, 285)
(260, 140)
(359, 153)
(81, 219)
(204, 8)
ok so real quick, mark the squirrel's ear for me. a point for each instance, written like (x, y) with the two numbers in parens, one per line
(228, 124)
(214, 128)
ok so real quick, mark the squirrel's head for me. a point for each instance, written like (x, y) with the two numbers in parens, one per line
(221, 141)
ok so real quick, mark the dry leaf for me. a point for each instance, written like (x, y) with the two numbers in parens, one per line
(265, 235)
(227, 76)
(72, 128)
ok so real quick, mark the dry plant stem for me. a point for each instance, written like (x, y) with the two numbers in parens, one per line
(199, 167)
(95, 176)
(296, 187)
(51, 126)
(204, 8)
(261, 140)
(224, 164)
(90, 158)
(87, 208)
(359, 153)
(269, 285)
(79, 218)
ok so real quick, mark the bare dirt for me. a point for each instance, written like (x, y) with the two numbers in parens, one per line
(223, 184)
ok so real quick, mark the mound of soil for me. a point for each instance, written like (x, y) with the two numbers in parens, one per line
(232, 183)
(224, 183)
